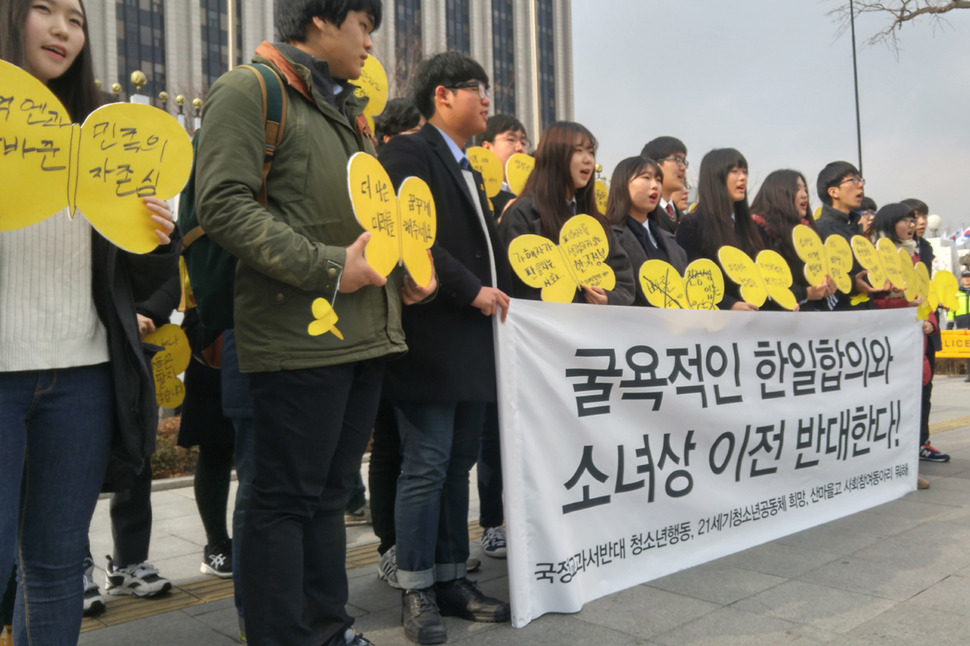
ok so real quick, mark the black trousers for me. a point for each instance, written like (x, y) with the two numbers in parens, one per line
(311, 429)
(131, 520)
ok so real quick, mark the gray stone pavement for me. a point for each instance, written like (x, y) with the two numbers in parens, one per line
(895, 574)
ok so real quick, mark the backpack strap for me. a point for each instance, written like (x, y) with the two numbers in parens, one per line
(274, 116)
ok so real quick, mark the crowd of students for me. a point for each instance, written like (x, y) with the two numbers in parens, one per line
(415, 363)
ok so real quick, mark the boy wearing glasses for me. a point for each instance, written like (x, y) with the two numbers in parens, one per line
(840, 187)
(441, 414)
(671, 154)
(505, 136)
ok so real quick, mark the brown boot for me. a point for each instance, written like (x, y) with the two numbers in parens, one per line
(922, 483)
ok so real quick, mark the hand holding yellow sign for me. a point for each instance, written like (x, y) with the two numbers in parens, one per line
(486, 162)
(169, 363)
(517, 171)
(578, 260)
(701, 288)
(123, 153)
(325, 319)
(602, 192)
(768, 275)
(402, 227)
(834, 258)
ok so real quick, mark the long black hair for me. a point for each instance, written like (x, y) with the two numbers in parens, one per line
(74, 88)
(775, 203)
(723, 213)
(618, 201)
(550, 180)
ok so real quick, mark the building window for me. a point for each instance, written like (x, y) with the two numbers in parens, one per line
(141, 42)
(215, 38)
(547, 63)
(457, 26)
(407, 39)
(503, 48)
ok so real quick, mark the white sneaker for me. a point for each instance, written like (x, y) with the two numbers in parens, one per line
(139, 580)
(93, 599)
(387, 567)
(493, 542)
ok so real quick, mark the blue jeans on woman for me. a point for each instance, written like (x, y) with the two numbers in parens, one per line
(55, 436)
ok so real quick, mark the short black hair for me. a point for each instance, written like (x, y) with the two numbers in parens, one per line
(887, 217)
(867, 204)
(499, 123)
(917, 205)
(662, 147)
(832, 175)
(293, 17)
(399, 115)
(447, 69)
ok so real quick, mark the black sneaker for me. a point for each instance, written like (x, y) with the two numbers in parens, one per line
(462, 598)
(217, 560)
(420, 617)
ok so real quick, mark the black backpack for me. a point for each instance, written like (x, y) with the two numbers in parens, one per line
(211, 268)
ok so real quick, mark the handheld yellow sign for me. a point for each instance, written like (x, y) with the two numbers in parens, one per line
(945, 285)
(517, 171)
(486, 162)
(579, 259)
(169, 363)
(834, 258)
(766, 276)
(402, 226)
(602, 192)
(372, 84)
(103, 168)
(701, 288)
(325, 319)
(870, 258)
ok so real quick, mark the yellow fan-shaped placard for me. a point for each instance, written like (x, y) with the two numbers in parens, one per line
(579, 259)
(372, 84)
(870, 258)
(103, 168)
(324, 319)
(890, 260)
(402, 227)
(517, 171)
(817, 212)
(834, 258)
(766, 276)
(924, 291)
(169, 363)
(946, 286)
(701, 287)
(486, 162)
(909, 274)
(602, 192)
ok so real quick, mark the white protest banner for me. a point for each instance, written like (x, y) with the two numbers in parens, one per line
(637, 442)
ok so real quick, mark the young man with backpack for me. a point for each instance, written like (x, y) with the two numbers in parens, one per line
(314, 397)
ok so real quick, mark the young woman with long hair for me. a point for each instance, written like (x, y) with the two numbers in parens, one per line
(562, 185)
(632, 210)
(780, 205)
(722, 217)
(74, 381)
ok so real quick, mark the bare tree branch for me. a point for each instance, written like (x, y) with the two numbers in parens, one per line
(899, 12)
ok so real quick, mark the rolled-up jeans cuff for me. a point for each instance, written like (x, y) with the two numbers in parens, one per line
(416, 580)
(448, 572)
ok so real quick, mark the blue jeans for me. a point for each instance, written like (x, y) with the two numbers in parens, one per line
(55, 434)
(439, 446)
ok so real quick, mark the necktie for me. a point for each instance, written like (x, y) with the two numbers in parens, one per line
(670, 210)
(464, 164)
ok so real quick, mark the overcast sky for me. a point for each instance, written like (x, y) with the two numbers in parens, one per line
(770, 78)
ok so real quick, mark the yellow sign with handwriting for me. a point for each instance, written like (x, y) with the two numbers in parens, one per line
(169, 363)
(486, 162)
(767, 275)
(103, 168)
(517, 171)
(372, 84)
(559, 270)
(602, 193)
(833, 258)
(701, 287)
(402, 226)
